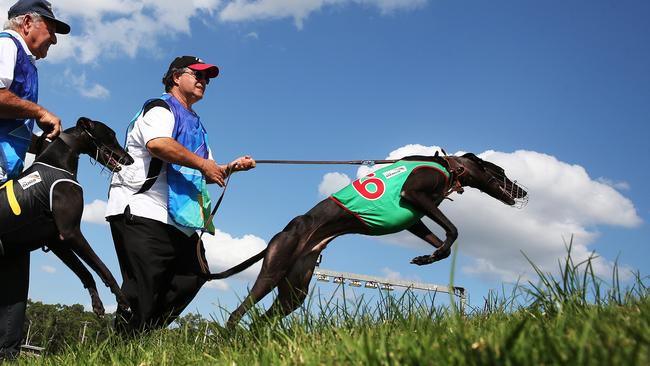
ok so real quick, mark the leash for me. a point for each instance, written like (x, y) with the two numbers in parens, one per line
(203, 262)
(348, 162)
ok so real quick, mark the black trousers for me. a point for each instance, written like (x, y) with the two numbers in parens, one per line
(14, 274)
(160, 269)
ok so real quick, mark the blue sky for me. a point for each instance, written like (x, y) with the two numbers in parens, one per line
(558, 93)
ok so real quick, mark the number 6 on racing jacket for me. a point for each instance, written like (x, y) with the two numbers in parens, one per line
(44, 204)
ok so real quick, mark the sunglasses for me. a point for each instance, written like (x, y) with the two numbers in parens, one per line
(199, 75)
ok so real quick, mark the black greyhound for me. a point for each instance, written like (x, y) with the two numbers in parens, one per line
(43, 205)
(291, 255)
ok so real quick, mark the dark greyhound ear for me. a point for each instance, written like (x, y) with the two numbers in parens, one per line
(436, 154)
(86, 123)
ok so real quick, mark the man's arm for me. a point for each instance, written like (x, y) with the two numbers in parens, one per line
(169, 150)
(13, 107)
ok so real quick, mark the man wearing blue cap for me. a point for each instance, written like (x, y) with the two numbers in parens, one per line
(28, 35)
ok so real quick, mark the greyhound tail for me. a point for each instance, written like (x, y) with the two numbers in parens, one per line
(238, 268)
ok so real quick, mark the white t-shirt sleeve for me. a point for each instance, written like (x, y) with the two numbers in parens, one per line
(157, 122)
(8, 54)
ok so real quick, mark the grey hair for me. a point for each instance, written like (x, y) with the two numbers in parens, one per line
(168, 79)
(15, 22)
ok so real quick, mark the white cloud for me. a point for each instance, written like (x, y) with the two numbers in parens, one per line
(332, 182)
(94, 212)
(564, 201)
(114, 28)
(108, 309)
(252, 35)
(621, 186)
(299, 10)
(86, 89)
(221, 285)
(394, 275)
(223, 251)
(48, 269)
(108, 28)
(388, 6)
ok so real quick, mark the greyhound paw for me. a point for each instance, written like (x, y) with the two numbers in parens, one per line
(99, 310)
(123, 304)
(98, 306)
(422, 260)
(441, 253)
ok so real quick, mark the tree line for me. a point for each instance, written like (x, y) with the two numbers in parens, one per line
(56, 326)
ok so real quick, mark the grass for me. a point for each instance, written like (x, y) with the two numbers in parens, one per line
(570, 319)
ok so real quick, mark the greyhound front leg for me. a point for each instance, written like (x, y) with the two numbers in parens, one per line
(421, 231)
(82, 249)
(452, 234)
(432, 211)
(72, 261)
(67, 208)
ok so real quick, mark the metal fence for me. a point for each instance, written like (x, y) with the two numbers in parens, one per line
(359, 280)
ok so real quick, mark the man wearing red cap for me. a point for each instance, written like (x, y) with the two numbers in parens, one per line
(157, 204)
(28, 35)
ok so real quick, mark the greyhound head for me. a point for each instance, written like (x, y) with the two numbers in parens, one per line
(98, 141)
(489, 178)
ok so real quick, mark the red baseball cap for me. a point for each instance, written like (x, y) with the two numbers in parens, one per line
(193, 63)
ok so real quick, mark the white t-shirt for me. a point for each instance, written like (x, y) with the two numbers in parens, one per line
(155, 123)
(8, 55)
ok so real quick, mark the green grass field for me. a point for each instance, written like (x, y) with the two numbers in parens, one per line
(573, 318)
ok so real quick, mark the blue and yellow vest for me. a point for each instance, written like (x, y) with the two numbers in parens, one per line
(16, 134)
(189, 200)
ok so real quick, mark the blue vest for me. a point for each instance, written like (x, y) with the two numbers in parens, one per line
(189, 200)
(16, 134)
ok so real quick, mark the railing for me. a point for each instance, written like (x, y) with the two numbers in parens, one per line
(356, 280)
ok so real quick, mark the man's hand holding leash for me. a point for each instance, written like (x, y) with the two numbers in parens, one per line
(215, 173)
(241, 164)
(49, 123)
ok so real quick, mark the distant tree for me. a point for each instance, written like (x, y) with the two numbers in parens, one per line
(191, 324)
(55, 326)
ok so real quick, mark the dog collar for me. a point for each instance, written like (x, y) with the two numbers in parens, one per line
(67, 139)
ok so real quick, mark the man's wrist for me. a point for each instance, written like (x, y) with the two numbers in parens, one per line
(40, 112)
(203, 165)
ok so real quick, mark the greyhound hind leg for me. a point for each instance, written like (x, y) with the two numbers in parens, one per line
(274, 268)
(290, 260)
(293, 289)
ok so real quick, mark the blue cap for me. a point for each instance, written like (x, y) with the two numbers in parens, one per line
(40, 7)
